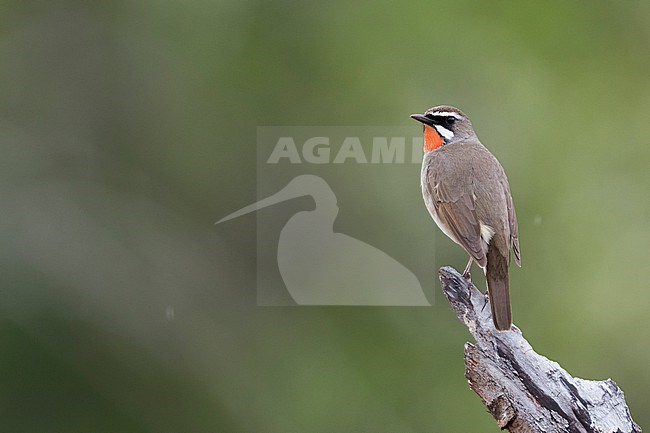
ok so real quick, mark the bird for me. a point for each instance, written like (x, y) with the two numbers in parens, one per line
(322, 267)
(466, 191)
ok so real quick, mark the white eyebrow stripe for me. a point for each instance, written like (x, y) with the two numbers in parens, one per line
(444, 132)
(447, 113)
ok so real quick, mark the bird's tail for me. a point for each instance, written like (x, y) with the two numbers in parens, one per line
(498, 285)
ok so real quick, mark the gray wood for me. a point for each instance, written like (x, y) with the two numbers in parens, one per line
(524, 391)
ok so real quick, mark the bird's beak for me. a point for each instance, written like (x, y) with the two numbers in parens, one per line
(292, 190)
(422, 119)
(269, 201)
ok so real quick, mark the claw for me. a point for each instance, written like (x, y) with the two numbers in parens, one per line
(466, 273)
(485, 301)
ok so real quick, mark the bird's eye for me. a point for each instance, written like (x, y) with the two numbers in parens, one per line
(450, 120)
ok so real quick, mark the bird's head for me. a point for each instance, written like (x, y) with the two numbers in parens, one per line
(444, 125)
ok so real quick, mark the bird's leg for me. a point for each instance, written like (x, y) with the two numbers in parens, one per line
(485, 299)
(466, 273)
(468, 277)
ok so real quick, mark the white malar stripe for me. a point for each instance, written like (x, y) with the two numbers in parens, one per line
(444, 132)
(447, 113)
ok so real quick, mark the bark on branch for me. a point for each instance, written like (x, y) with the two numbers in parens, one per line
(524, 391)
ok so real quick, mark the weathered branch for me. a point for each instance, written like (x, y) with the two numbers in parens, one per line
(524, 391)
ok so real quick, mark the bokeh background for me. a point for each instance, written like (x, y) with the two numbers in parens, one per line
(128, 128)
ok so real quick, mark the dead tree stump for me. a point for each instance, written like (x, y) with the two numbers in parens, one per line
(524, 391)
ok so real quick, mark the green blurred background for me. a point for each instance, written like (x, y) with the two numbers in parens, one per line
(128, 128)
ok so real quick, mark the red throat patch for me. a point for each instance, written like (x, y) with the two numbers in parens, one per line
(432, 140)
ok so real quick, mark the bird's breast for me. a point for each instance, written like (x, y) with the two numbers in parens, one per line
(429, 199)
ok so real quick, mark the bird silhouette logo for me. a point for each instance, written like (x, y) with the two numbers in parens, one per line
(322, 267)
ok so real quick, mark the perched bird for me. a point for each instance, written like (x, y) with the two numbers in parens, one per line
(466, 192)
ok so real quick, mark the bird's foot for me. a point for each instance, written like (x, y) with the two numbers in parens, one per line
(485, 301)
(468, 278)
